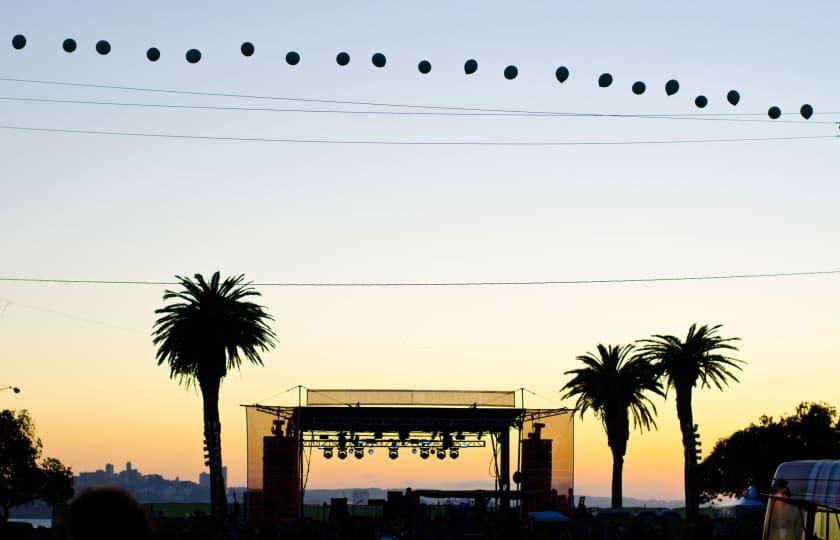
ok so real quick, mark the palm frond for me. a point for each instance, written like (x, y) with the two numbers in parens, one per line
(209, 328)
(614, 383)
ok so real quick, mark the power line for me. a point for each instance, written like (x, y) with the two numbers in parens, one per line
(71, 316)
(444, 283)
(360, 142)
(336, 101)
(432, 113)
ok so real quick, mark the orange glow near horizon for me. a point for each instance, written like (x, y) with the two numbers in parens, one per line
(97, 396)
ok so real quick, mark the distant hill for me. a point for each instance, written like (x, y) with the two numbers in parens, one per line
(360, 496)
(630, 502)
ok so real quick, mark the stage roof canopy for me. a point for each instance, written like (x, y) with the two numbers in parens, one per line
(428, 398)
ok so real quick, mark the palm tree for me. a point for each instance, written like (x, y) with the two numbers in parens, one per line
(613, 384)
(699, 359)
(206, 332)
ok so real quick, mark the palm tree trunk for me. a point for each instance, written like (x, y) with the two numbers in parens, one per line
(686, 417)
(213, 440)
(617, 472)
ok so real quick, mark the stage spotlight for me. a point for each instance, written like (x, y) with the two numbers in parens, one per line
(328, 453)
(393, 453)
(342, 454)
(424, 454)
(359, 454)
(441, 454)
(453, 453)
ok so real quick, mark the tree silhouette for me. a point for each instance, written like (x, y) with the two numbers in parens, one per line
(613, 384)
(209, 329)
(22, 480)
(750, 455)
(699, 359)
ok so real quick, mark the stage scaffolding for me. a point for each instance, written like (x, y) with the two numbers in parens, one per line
(537, 443)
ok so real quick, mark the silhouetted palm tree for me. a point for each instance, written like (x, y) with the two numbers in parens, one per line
(614, 384)
(206, 332)
(699, 359)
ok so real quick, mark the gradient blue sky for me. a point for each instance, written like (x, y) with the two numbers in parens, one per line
(125, 208)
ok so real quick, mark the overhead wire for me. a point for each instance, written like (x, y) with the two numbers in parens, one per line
(543, 397)
(69, 316)
(374, 142)
(286, 391)
(333, 101)
(707, 277)
(430, 113)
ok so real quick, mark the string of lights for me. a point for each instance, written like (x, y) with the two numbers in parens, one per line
(379, 60)
(391, 142)
(663, 279)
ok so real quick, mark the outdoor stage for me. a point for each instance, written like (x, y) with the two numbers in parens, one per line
(531, 451)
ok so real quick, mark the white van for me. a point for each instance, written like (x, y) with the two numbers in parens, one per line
(805, 502)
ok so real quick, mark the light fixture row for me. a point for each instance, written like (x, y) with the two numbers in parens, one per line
(562, 73)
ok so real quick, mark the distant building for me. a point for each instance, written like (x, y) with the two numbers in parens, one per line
(361, 496)
(204, 478)
(150, 488)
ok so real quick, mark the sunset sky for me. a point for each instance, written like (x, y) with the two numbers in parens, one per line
(126, 208)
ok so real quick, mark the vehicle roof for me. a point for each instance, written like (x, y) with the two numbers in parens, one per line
(813, 481)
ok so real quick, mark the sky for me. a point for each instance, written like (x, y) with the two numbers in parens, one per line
(126, 208)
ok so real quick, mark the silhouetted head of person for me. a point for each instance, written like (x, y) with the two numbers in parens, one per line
(107, 513)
